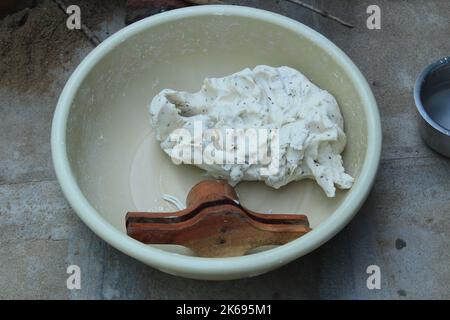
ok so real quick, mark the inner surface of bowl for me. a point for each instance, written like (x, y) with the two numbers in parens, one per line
(111, 148)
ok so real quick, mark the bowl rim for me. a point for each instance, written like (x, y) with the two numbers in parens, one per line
(215, 268)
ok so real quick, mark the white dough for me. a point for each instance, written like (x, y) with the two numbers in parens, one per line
(308, 120)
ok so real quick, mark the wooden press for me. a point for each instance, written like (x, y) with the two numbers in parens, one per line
(215, 224)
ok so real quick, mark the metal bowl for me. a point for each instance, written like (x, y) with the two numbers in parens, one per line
(432, 98)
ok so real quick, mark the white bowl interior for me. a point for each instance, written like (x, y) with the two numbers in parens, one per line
(114, 157)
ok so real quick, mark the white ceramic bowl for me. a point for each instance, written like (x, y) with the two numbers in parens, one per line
(108, 161)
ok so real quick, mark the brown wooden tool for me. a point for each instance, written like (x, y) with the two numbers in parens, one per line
(215, 224)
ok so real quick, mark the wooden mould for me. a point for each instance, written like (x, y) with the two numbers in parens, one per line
(215, 224)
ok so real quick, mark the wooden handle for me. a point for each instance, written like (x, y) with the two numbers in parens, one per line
(215, 224)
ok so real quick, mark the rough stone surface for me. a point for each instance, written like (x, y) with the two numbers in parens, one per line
(403, 227)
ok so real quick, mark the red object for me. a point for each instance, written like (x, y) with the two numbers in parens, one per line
(215, 224)
(139, 9)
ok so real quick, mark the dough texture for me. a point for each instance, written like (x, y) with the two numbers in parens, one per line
(306, 119)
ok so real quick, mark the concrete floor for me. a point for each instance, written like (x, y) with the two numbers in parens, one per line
(403, 227)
